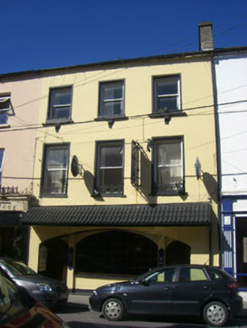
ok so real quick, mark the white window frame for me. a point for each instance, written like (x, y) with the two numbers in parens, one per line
(103, 188)
(177, 95)
(173, 188)
(55, 107)
(3, 111)
(46, 170)
(103, 100)
(1, 164)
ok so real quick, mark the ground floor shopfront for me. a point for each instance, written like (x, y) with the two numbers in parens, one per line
(234, 237)
(13, 236)
(88, 246)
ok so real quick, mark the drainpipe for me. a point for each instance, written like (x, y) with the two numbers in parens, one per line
(218, 150)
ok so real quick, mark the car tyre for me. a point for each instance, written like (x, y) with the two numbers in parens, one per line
(113, 309)
(215, 314)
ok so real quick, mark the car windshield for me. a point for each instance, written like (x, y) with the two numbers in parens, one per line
(11, 301)
(18, 268)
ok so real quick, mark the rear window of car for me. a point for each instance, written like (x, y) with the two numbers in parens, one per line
(217, 275)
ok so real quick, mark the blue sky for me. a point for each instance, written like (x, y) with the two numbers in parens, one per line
(39, 34)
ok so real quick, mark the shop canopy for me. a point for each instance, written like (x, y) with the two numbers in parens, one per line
(191, 214)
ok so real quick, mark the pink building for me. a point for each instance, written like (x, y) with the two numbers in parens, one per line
(19, 105)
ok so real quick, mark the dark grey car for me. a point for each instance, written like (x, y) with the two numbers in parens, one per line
(43, 289)
(178, 290)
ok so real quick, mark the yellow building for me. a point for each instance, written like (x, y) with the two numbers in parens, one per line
(125, 169)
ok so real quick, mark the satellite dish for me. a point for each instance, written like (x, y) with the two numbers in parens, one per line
(197, 168)
(75, 166)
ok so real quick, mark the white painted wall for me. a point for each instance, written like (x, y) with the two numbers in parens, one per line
(231, 76)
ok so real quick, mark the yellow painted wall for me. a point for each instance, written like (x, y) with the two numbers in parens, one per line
(197, 127)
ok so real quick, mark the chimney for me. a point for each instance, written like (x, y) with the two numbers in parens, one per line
(205, 36)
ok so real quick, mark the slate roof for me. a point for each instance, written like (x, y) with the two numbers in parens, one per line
(120, 215)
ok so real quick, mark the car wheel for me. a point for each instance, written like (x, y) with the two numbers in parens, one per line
(215, 314)
(113, 309)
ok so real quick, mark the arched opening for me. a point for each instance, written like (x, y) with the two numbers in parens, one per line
(115, 252)
(177, 252)
(53, 258)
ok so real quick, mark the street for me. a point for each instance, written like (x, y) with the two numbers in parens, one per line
(78, 315)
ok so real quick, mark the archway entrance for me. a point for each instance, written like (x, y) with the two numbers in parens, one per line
(53, 258)
(177, 252)
(115, 253)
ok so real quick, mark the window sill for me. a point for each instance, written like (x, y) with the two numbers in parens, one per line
(4, 126)
(56, 122)
(171, 193)
(107, 196)
(52, 196)
(111, 118)
(168, 114)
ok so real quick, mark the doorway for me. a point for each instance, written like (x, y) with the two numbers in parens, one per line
(241, 251)
(53, 259)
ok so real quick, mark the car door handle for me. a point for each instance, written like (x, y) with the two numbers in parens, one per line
(167, 289)
(205, 287)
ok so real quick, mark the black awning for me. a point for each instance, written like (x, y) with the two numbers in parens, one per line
(192, 214)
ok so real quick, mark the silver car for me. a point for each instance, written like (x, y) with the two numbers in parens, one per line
(46, 290)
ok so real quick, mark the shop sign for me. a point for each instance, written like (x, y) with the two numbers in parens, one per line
(12, 206)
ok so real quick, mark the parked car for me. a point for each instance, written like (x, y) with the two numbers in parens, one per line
(43, 289)
(193, 290)
(19, 309)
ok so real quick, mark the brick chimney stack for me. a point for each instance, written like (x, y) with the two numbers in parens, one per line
(205, 36)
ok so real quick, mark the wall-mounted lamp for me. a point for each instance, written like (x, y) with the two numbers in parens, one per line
(149, 144)
(197, 168)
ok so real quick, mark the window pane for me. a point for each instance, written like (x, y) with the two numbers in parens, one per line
(57, 158)
(111, 99)
(62, 112)
(112, 92)
(56, 182)
(169, 168)
(1, 158)
(192, 274)
(169, 103)
(60, 103)
(55, 170)
(4, 117)
(112, 108)
(4, 102)
(109, 177)
(61, 98)
(111, 156)
(169, 153)
(167, 87)
(110, 181)
(166, 94)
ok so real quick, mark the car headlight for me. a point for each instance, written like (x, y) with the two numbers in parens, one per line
(44, 287)
(95, 293)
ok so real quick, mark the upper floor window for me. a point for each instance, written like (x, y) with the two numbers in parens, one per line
(109, 168)
(168, 166)
(1, 164)
(111, 99)
(166, 94)
(60, 104)
(5, 106)
(55, 170)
